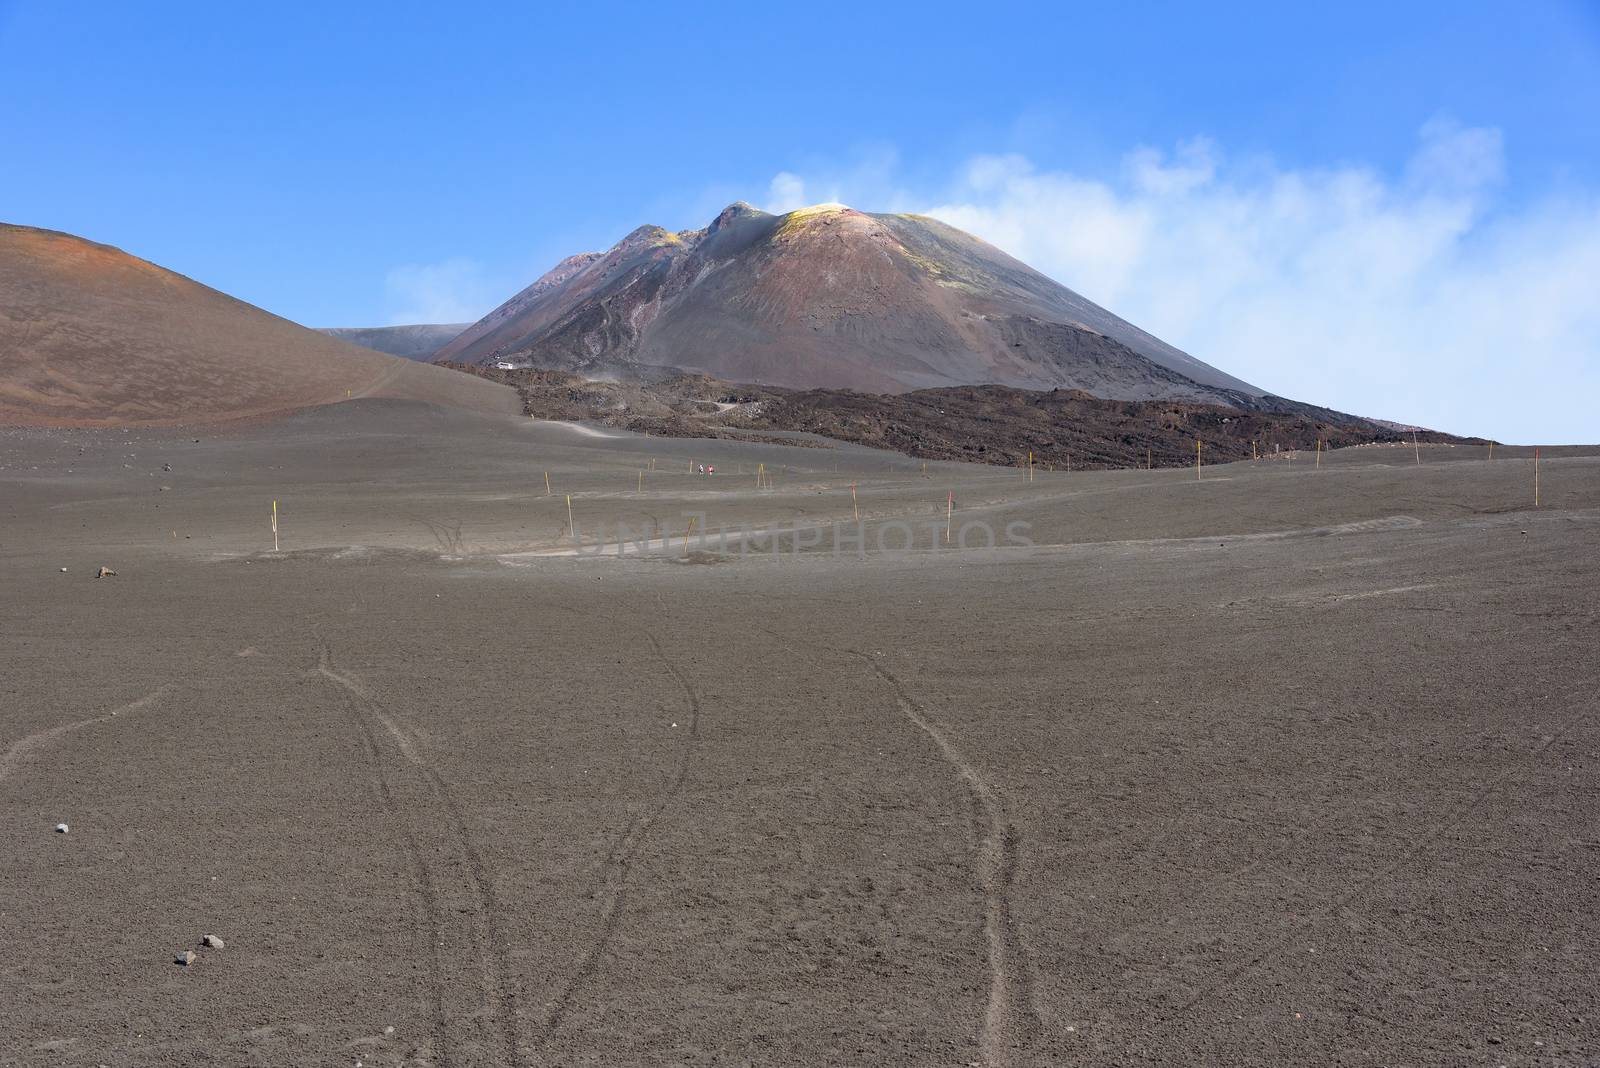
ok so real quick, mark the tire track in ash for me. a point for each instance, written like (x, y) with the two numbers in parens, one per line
(1012, 1010)
(617, 868)
(1010, 1017)
(23, 747)
(473, 917)
(431, 927)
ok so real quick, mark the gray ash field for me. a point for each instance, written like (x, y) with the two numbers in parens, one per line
(1287, 765)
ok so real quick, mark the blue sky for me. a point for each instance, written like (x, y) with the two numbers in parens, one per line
(1337, 205)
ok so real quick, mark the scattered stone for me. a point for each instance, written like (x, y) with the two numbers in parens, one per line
(211, 941)
(389, 1030)
(62, 828)
(63, 571)
(1494, 1040)
(186, 958)
(105, 572)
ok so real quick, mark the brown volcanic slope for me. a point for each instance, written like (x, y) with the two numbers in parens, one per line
(91, 336)
(830, 297)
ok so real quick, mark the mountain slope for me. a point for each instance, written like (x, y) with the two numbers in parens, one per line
(90, 335)
(836, 298)
(415, 342)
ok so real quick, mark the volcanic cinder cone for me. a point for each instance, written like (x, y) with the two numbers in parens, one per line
(830, 297)
(92, 336)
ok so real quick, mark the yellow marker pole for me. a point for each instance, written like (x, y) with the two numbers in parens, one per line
(547, 483)
(1149, 465)
(1491, 450)
(641, 480)
(1319, 452)
(572, 529)
(1417, 447)
(1197, 459)
(1030, 465)
(949, 512)
(274, 525)
(853, 507)
(686, 532)
(1254, 455)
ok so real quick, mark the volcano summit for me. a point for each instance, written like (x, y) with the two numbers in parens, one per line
(831, 297)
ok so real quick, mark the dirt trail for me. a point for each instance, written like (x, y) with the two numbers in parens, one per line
(461, 917)
(1008, 1018)
(617, 868)
(19, 751)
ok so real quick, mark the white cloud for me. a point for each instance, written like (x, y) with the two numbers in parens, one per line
(1452, 156)
(786, 193)
(1425, 296)
(451, 291)
(1193, 165)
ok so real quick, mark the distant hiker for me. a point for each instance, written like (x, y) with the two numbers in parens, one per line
(702, 469)
(711, 469)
